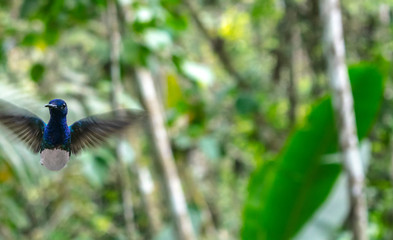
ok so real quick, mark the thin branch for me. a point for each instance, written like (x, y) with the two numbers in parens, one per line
(165, 156)
(115, 44)
(343, 106)
(312, 35)
(217, 44)
(146, 185)
(288, 45)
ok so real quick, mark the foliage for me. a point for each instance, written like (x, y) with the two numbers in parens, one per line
(223, 73)
(284, 194)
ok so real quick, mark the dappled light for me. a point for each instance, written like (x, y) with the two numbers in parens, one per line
(209, 119)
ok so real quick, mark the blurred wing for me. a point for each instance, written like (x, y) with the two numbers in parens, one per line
(94, 130)
(25, 125)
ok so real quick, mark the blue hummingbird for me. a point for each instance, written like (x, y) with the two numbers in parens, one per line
(56, 141)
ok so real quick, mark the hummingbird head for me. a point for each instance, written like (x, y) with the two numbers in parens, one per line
(57, 108)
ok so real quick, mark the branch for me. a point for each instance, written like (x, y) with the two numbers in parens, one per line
(217, 44)
(343, 107)
(123, 175)
(165, 156)
(165, 159)
(288, 44)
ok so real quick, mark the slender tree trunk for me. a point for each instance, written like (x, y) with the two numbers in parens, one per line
(343, 107)
(146, 185)
(147, 189)
(384, 14)
(285, 56)
(165, 156)
(115, 44)
(124, 176)
(195, 178)
(290, 19)
(312, 36)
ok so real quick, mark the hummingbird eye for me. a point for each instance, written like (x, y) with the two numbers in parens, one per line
(63, 106)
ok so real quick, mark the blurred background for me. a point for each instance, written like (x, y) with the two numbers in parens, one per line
(240, 88)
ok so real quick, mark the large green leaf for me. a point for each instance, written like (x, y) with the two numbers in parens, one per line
(329, 218)
(285, 193)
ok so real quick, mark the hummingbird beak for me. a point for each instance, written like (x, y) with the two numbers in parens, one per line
(51, 105)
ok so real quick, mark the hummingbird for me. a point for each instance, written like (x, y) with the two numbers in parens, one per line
(56, 141)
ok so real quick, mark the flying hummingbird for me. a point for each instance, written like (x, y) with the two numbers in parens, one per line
(56, 141)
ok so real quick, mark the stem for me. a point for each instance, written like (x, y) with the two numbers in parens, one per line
(343, 107)
(288, 39)
(165, 156)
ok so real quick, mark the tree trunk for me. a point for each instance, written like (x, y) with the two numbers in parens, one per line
(165, 158)
(121, 167)
(312, 36)
(290, 53)
(343, 107)
(164, 154)
(147, 189)
(285, 56)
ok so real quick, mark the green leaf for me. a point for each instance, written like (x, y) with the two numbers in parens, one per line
(157, 39)
(134, 53)
(37, 72)
(284, 194)
(175, 94)
(210, 147)
(51, 34)
(330, 217)
(176, 22)
(18, 216)
(369, 84)
(198, 72)
(246, 104)
(262, 8)
(28, 8)
(31, 39)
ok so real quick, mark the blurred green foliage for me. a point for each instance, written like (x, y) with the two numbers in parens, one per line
(227, 99)
(301, 178)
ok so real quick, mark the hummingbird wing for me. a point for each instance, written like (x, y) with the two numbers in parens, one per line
(25, 125)
(94, 130)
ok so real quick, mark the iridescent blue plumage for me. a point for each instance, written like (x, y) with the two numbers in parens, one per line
(57, 134)
(56, 140)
